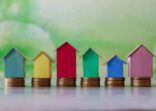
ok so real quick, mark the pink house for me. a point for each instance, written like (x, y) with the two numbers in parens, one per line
(140, 62)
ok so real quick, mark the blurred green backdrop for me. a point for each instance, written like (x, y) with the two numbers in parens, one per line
(108, 26)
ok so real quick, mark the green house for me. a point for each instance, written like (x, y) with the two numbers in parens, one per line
(90, 64)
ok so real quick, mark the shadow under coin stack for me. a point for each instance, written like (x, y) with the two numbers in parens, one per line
(90, 69)
(140, 67)
(115, 72)
(14, 69)
(42, 70)
(66, 65)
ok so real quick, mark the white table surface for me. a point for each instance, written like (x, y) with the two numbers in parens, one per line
(69, 99)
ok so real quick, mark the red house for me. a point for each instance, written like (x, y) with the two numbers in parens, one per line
(66, 61)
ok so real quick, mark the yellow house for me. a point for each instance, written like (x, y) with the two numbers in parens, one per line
(42, 65)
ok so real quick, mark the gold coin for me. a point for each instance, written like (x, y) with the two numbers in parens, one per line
(90, 82)
(14, 82)
(141, 82)
(141, 78)
(66, 82)
(114, 82)
(41, 82)
(114, 79)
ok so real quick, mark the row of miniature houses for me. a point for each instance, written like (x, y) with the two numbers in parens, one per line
(140, 64)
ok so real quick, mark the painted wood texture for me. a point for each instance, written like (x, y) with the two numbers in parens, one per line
(115, 67)
(140, 63)
(91, 64)
(14, 64)
(66, 61)
(42, 66)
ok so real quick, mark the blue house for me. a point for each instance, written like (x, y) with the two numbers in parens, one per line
(115, 67)
(14, 63)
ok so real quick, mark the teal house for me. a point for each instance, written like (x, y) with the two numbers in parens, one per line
(90, 64)
(14, 64)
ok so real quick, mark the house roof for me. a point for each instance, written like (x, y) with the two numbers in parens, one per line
(44, 53)
(66, 43)
(16, 50)
(90, 49)
(113, 58)
(137, 48)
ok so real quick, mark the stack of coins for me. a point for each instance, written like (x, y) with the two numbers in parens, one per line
(90, 82)
(66, 82)
(114, 82)
(14, 82)
(41, 82)
(141, 82)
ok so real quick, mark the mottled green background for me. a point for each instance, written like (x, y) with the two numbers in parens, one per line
(108, 26)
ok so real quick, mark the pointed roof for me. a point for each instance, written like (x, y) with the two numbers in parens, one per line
(90, 50)
(115, 56)
(14, 50)
(137, 48)
(64, 44)
(44, 53)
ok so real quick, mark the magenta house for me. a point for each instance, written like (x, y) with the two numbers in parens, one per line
(140, 62)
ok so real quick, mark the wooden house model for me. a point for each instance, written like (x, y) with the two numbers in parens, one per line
(66, 61)
(14, 64)
(115, 67)
(90, 64)
(42, 65)
(140, 62)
